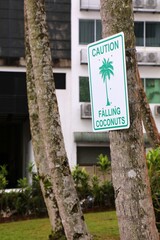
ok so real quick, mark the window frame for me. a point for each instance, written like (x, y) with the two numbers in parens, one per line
(145, 33)
(95, 33)
(144, 81)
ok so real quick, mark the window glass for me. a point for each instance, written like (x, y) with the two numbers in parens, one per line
(13, 93)
(86, 31)
(139, 33)
(60, 80)
(89, 31)
(152, 34)
(88, 155)
(84, 95)
(98, 30)
(153, 90)
(147, 33)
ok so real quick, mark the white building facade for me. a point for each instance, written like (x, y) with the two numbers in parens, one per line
(85, 146)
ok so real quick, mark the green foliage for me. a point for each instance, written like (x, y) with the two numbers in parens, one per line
(80, 175)
(22, 203)
(22, 183)
(94, 192)
(38, 205)
(26, 201)
(103, 193)
(3, 175)
(108, 194)
(153, 163)
(81, 179)
(7, 203)
(104, 164)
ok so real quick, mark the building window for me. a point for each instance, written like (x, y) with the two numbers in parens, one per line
(84, 95)
(87, 156)
(147, 34)
(89, 31)
(139, 33)
(152, 89)
(60, 80)
(153, 34)
(13, 93)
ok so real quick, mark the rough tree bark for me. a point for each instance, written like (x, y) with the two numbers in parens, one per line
(50, 126)
(39, 151)
(129, 171)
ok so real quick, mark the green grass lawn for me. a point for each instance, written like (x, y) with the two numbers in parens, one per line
(103, 226)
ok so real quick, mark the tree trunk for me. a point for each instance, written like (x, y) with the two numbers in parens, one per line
(39, 151)
(148, 120)
(50, 126)
(129, 171)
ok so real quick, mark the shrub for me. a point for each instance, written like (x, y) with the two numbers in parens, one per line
(108, 194)
(7, 203)
(153, 163)
(27, 201)
(96, 190)
(103, 193)
(81, 180)
(3, 174)
(105, 165)
(93, 193)
(30, 199)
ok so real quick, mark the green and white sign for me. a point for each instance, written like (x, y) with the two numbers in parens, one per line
(108, 84)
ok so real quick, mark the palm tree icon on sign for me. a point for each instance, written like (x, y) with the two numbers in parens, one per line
(106, 70)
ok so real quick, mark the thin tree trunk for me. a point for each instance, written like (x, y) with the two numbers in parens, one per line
(129, 171)
(50, 126)
(148, 120)
(39, 151)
